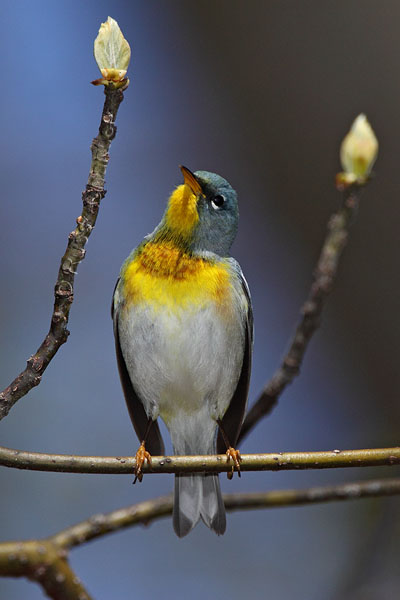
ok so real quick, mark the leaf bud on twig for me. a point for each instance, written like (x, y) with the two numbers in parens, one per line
(358, 153)
(112, 53)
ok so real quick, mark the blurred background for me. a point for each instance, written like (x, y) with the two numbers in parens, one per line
(261, 93)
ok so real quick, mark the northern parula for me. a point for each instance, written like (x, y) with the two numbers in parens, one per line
(183, 330)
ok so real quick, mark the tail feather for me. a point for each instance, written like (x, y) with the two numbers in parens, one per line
(187, 496)
(212, 508)
(198, 496)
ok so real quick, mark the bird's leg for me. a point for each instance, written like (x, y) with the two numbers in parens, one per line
(142, 455)
(231, 453)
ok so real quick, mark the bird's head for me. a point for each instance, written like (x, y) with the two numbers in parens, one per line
(203, 212)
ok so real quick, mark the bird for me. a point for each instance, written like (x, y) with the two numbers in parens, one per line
(183, 327)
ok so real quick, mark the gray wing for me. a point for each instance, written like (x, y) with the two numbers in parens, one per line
(139, 418)
(234, 416)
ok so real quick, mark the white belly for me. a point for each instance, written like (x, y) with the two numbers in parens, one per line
(184, 364)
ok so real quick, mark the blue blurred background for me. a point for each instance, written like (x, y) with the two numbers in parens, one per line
(262, 93)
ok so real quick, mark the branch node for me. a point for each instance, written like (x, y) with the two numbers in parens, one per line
(58, 317)
(308, 308)
(291, 363)
(35, 362)
(64, 289)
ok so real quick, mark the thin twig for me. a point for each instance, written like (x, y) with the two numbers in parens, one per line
(324, 277)
(36, 461)
(45, 560)
(150, 510)
(14, 555)
(64, 288)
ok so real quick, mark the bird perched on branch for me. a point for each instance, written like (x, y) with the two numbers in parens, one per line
(183, 331)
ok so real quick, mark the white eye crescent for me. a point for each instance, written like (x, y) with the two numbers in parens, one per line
(217, 201)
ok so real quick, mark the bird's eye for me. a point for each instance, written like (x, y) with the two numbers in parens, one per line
(217, 201)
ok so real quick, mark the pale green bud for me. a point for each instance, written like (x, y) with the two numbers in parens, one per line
(112, 53)
(359, 150)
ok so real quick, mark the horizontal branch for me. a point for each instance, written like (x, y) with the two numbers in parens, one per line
(36, 461)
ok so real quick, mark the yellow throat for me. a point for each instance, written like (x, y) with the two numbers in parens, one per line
(182, 215)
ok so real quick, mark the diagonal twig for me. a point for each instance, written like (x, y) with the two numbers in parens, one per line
(74, 254)
(324, 277)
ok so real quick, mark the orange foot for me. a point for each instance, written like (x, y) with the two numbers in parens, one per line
(141, 456)
(233, 454)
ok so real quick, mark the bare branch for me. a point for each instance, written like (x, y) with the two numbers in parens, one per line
(36, 461)
(43, 562)
(98, 525)
(324, 277)
(15, 556)
(150, 510)
(64, 288)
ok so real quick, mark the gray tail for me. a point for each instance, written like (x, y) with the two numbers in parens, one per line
(198, 496)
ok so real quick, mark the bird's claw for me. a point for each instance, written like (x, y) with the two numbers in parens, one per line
(141, 456)
(234, 455)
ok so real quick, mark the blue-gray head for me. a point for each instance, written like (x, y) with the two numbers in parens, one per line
(203, 212)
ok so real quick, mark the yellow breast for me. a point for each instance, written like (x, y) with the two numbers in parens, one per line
(165, 276)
